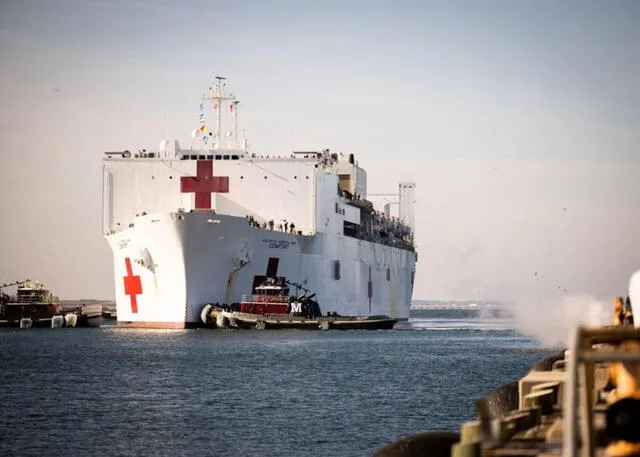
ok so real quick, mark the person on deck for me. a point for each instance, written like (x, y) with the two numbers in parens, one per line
(618, 312)
(628, 313)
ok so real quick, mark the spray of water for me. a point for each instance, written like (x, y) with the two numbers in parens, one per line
(551, 320)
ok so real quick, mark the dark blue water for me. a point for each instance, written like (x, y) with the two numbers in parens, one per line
(111, 391)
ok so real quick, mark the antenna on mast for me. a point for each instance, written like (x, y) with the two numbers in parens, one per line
(218, 95)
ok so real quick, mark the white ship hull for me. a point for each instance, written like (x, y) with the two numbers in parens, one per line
(170, 265)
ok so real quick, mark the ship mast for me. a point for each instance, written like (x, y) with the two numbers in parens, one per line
(218, 95)
(234, 128)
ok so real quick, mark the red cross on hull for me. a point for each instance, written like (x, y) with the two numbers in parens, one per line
(132, 286)
(204, 183)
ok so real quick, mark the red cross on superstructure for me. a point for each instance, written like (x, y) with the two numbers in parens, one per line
(204, 183)
(132, 286)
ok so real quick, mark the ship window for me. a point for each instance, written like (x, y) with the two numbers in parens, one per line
(218, 157)
(170, 177)
(234, 157)
(210, 157)
(295, 177)
(241, 177)
(336, 269)
(388, 274)
(344, 182)
(194, 157)
(336, 207)
(225, 157)
(184, 157)
(151, 155)
(350, 229)
(201, 157)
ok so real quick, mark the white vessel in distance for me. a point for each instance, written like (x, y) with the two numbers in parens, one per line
(207, 224)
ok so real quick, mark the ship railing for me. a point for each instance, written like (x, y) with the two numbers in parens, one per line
(32, 298)
(263, 299)
(578, 426)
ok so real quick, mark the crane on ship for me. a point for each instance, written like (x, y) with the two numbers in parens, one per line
(4, 298)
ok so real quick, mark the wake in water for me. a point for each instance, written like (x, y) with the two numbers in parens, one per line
(549, 321)
(468, 319)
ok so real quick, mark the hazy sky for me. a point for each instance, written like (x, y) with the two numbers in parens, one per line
(519, 122)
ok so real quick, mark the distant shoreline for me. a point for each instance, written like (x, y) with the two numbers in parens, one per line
(91, 302)
(456, 306)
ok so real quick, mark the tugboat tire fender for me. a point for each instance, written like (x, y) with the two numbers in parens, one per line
(204, 314)
(221, 321)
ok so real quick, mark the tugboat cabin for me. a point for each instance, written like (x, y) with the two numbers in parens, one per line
(271, 297)
(32, 300)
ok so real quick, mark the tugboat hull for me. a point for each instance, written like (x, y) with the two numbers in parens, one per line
(232, 319)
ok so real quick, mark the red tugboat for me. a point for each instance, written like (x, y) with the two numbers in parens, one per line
(271, 306)
(272, 297)
(32, 306)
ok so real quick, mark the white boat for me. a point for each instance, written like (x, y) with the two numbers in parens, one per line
(191, 226)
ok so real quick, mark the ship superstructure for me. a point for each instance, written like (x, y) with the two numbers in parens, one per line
(205, 224)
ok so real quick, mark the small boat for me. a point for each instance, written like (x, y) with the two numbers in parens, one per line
(32, 306)
(272, 307)
(84, 316)
(109, 313)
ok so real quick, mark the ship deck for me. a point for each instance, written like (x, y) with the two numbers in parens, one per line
(539, 433)
(567, 411)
